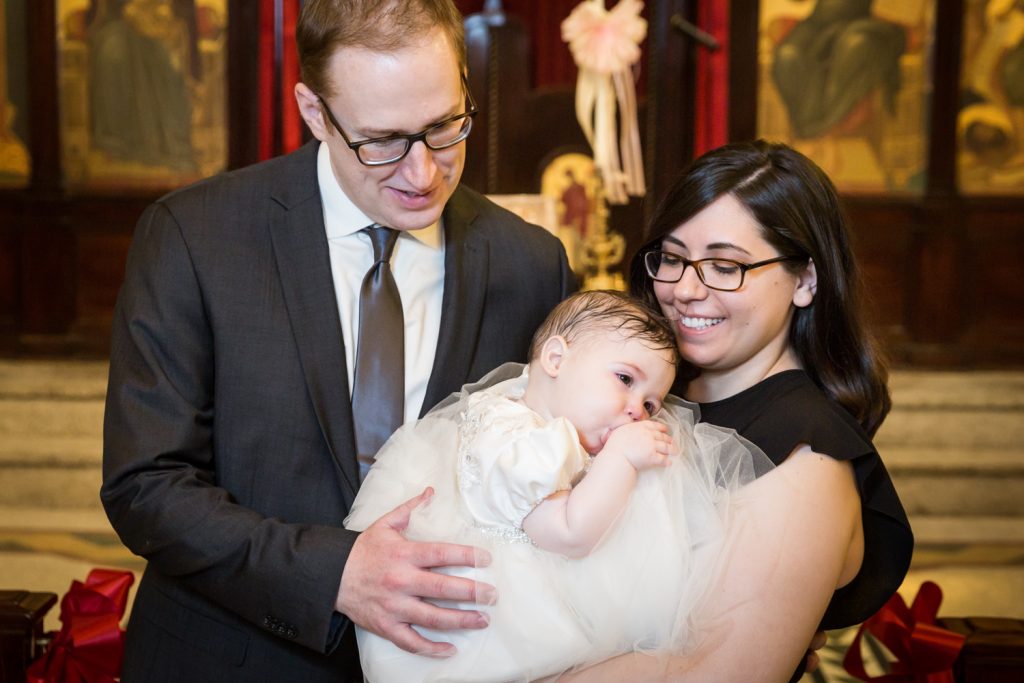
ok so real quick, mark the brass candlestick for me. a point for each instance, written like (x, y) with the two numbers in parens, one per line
(603, 249)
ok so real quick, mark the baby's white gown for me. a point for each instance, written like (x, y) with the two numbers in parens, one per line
(490, 460)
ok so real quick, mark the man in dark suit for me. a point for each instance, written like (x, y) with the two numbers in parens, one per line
(229, 438)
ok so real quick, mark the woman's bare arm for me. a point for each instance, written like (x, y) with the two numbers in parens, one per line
(795, 538)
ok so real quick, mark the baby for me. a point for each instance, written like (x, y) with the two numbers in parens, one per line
(601, 504)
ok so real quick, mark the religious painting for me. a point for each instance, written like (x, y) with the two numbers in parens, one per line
(571, 181)
(15, 162)
(532, 208)
(142, 92)
(847, 83)
(990, 123)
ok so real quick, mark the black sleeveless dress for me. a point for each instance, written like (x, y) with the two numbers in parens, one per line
(787, 409)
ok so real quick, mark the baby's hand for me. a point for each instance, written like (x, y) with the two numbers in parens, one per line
(644, 444)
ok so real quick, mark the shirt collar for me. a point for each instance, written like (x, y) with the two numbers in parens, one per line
(343, 218)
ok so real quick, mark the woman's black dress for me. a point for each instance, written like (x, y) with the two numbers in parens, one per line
(787, 409)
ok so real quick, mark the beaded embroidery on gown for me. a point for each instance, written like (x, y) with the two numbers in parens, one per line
(490, 460)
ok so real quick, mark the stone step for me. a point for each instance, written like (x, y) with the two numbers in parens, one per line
(954, 444)
(50, 487)
(954, 441)
(56, 402)
(967, 529)
(913, 389)
(63, 378)
(90, 519)
(50, 416)
(51, 450)
(51, 443)
(959, 481)
(1005, 462)
(970, 428)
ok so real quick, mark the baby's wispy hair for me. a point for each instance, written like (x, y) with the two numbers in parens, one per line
(602, 310)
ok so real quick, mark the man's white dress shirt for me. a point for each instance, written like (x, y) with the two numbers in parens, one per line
(418, 267)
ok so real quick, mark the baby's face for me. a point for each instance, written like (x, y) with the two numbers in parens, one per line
(608, 380)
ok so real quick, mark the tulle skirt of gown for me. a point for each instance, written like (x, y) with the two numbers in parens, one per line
(639, 590)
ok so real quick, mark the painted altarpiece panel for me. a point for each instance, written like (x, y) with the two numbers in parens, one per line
(15, 162)
(142, 92)
(990, 123)
(570, 179)
(847, 82)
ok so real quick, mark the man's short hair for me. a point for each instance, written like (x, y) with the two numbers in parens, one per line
(325, 26)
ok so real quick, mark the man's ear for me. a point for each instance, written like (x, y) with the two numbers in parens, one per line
(552, 354)
(312, 112)
(807, 286)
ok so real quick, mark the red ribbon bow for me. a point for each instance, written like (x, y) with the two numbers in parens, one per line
(90, 644)
(924, 652)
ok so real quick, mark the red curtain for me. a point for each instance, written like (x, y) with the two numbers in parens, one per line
(281, 127)
(711, 120)
(266, 80)
(291, 122)
(552, 63)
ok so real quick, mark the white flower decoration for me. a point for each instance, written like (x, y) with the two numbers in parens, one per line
(605, 44)
(605, 41)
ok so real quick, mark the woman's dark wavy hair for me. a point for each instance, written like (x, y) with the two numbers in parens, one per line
(799, 212)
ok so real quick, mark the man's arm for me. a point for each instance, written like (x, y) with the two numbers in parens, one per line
(161, 477)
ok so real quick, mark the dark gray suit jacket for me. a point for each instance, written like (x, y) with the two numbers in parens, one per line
(228, 445)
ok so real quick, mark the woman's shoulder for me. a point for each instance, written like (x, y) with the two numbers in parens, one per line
(788, 409)
(785, 410)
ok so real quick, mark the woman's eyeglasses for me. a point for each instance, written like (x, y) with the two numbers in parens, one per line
(725, 275)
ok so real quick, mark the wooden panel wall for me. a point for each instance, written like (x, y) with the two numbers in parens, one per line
(62, 255)
(943, 273)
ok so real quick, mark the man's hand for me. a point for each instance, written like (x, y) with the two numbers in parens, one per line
(644, 444)
(386, 578)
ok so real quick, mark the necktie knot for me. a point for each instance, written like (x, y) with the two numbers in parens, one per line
(383, 241)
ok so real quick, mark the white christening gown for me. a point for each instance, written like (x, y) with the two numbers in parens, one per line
(490, 460)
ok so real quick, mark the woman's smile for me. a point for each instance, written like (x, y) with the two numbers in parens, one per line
(698, 323)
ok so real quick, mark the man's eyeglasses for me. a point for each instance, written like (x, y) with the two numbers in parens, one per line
(725, 275)
(391, 149)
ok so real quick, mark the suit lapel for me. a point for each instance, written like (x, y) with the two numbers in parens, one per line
(304, 266)
(465, 287)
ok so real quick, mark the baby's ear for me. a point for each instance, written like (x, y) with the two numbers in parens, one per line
(552, 353)
(807, 286)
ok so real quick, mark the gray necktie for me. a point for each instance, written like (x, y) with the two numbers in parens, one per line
(378, 392)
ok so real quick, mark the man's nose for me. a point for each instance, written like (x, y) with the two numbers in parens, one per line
(418, 166)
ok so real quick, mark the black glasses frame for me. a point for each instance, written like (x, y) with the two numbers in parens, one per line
(411, 138)
(652, 260)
